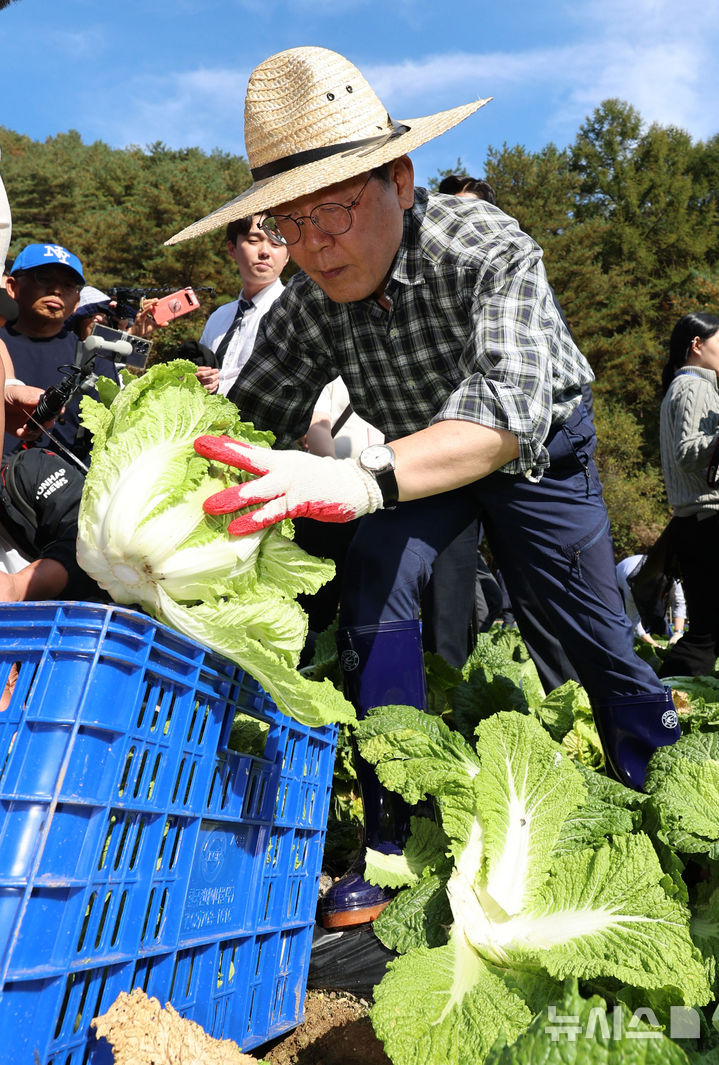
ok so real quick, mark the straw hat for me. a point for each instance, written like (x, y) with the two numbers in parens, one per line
(311, 120)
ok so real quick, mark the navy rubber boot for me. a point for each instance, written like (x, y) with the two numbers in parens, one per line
(381, 665)
(631, 727)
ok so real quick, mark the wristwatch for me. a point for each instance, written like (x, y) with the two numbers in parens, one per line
(378, 459)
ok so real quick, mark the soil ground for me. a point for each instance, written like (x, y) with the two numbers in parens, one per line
(336, 1031)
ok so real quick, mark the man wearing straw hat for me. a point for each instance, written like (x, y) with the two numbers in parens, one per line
(438, 315)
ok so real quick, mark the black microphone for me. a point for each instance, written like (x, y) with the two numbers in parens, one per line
(54, 399)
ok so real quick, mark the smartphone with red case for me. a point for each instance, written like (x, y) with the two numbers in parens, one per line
(177, 303)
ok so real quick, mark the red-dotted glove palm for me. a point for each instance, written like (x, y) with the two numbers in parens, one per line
(291, 484)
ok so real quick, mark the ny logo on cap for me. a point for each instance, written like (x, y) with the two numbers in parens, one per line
(55, 251)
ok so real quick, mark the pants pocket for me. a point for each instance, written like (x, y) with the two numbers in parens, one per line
(591, 569)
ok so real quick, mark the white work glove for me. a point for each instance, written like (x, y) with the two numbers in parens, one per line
(674, 638)
(291, 484)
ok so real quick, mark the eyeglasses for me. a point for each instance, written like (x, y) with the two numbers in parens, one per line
(48, 280)
(330, 218)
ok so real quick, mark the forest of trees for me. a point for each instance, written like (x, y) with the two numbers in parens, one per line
(628, 216)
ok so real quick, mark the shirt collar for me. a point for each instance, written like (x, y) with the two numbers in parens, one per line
(262, 299)
(700, 371)
(412, 261)
(10, 326)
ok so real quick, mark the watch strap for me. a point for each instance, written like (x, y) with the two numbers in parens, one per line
(389, 488)
(386, 480)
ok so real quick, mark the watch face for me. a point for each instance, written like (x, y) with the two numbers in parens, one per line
(376, 457)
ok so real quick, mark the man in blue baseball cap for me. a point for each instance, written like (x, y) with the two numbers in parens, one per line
(34, 255)
(45, 281)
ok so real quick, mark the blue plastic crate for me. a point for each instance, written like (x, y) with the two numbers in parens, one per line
(136, 850)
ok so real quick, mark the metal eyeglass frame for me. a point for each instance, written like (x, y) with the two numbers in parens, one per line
(276, 235)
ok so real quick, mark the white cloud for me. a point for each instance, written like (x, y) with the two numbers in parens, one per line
(470, 75)
(646, 20)
(659, 81)
(199, 108)
(667, 81)
(656, 55)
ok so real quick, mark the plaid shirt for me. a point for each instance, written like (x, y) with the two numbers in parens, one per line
(473, 333)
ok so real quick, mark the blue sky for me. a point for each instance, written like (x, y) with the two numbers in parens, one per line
(139, 71)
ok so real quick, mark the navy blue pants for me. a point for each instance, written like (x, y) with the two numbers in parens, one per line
(550, 540)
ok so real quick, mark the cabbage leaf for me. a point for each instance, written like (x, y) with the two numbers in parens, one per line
(683, 784)
(144, 537)
(581, 1031)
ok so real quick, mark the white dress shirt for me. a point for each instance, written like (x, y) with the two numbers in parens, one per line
(243, 340)
(356, 433)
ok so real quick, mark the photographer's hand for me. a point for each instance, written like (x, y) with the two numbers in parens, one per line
(21, 401)
(144, 325)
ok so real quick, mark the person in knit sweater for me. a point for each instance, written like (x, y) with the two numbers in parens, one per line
(689, 432)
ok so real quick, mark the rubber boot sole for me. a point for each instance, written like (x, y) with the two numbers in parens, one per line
(349, 918)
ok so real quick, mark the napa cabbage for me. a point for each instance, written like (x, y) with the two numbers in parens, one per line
(683, 791)
(527, 880)
(144, 537)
